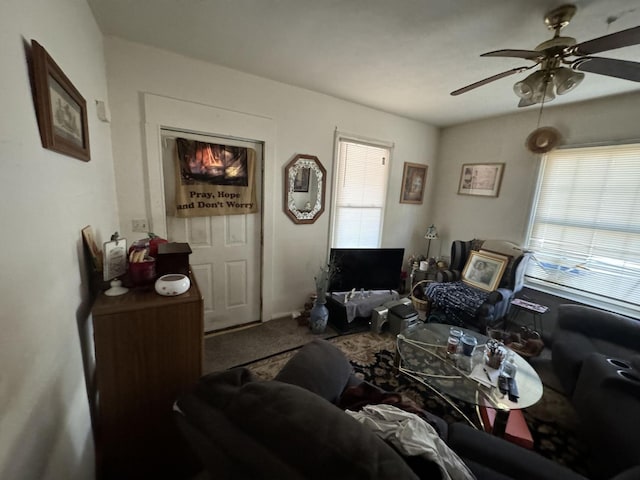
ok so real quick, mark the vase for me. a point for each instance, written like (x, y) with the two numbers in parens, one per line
(318, 317)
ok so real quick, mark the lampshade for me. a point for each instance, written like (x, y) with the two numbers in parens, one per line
(566, 80)
(527, 87)
(432, 233)
(544, 91)
(526, 102)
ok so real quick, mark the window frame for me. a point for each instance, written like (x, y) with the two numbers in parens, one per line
(361, 140)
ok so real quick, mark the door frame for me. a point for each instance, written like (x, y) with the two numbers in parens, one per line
(164, 112)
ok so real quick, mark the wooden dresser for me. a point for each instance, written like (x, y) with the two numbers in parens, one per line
(148, 351)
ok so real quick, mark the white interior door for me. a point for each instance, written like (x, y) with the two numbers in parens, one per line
(226, 249)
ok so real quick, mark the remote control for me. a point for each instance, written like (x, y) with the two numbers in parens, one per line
(503, 384)
(513, 390)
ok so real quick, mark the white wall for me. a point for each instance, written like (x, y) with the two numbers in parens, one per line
(47, 198)
(502, 139)
(305, 122)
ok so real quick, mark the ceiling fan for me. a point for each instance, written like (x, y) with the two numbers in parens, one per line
(562, 61)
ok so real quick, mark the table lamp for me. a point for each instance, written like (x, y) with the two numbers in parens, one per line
(431, 234)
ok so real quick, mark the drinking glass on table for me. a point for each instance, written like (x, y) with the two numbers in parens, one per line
(453, 342)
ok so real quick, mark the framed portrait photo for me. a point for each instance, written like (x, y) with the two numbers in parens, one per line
(61, 110)
(482, 179)
(414, 178)
(484, 270)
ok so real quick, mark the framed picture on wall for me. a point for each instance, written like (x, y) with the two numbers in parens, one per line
(482, 179)
(61, 110)
(414, 178)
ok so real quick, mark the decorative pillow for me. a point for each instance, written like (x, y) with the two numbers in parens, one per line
(320, 367)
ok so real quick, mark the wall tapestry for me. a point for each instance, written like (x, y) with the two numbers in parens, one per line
(213, 179)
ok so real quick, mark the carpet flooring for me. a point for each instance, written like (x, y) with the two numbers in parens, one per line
(248, 344)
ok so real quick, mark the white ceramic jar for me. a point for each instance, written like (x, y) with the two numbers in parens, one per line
(172, 284)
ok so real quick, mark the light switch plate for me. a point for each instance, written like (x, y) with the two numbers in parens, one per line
(140, 225)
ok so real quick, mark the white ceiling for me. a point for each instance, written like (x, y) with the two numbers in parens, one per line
(400, 56)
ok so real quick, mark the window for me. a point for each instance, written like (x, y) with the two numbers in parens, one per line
(585, 225)
(359, 195)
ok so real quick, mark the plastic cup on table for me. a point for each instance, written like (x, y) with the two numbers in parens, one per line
(469, 343)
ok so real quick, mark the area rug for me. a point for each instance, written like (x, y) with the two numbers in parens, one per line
(552, 421)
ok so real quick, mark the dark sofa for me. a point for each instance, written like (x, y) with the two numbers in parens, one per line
(292, 428)
(596, 356)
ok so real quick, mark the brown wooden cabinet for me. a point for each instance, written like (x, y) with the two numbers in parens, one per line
(148, 351)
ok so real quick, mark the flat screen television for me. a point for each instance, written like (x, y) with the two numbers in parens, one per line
(368, 268)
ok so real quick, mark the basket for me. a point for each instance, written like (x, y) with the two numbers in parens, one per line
(420, 304)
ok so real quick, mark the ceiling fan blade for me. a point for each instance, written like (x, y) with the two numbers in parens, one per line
(610, 67)
(620, 39)
(490, 79)
(528, 54)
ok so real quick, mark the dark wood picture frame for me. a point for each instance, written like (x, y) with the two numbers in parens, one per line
(414, 179)
(61, 110)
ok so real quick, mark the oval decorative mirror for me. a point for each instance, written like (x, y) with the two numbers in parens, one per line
(305, 180)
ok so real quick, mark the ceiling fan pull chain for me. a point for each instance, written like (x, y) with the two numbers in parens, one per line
(546, 82)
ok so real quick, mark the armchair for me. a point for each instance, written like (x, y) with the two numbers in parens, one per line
(469, 306)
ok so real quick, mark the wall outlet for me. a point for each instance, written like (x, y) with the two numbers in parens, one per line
(140, 225)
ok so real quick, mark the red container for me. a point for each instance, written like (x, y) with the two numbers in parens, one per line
(143, 273)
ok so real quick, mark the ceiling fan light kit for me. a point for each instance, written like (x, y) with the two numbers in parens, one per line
(559, 73)
(536, 88)
(540, 85)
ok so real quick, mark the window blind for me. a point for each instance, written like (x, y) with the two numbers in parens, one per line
(585, 228)
(360, 194)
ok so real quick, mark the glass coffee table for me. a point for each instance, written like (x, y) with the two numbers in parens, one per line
(421, 354)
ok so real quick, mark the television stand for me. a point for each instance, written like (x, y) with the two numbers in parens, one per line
(355, 315)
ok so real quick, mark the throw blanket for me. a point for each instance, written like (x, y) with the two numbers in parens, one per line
(357, 397)
(456, 299)
(413, 436)
(362, 306)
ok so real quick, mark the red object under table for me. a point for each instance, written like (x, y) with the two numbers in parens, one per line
(517, 430)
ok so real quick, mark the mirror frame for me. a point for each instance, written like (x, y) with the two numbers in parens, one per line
(290, 171)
